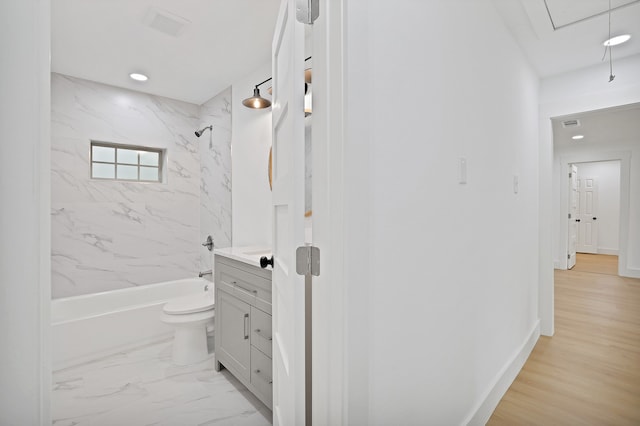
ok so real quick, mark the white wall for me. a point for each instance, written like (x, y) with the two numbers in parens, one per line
(215, 175)
(448, 273)
(25, 357)
(251, 141)
(581, 91)
(111, 234)
(607, 175)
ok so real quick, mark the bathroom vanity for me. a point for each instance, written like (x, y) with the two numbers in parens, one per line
(243, 339)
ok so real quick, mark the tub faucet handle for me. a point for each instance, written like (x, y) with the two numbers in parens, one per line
(209, 243)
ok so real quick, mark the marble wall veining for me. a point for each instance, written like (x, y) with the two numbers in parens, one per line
(215, 176)
(108, 235)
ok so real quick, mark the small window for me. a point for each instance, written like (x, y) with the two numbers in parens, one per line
(126, 162)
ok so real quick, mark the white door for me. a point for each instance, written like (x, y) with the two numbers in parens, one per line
(574, 202)
(288, 218)
(588, 225)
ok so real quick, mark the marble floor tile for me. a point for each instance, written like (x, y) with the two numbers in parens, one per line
(142, 387)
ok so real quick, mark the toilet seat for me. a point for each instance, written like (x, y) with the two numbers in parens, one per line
(190, 304)
(203, 317)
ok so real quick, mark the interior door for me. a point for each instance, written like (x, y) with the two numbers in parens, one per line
(588, 228)
(574, 202)
(288, 218)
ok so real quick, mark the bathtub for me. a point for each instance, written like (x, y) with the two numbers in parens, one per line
(92, 326)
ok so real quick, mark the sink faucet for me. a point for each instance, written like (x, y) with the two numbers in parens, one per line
(202, 274)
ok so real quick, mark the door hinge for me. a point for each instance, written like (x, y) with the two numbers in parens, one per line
(568, 256)
(569, 215)
(570, 175)
(307, 11)
(308, 260)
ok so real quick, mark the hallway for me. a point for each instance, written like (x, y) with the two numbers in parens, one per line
(589, 371)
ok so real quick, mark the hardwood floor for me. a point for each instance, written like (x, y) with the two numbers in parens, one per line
(589, 371)
(597, 263)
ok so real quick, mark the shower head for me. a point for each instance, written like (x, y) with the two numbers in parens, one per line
(201, 131)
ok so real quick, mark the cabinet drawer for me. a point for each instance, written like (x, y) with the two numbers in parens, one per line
(261, 336)
(247, 287)
(261, 378)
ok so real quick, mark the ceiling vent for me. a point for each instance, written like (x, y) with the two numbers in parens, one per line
(165, 22)
(571, 123)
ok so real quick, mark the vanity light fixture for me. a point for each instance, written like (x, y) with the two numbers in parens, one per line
(138, 76)
(258, 102)
(614, 41)
(577, 137)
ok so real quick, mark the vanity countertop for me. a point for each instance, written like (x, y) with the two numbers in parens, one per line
(250, 255)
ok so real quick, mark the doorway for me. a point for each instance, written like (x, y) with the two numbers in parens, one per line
(594, 141)
(594, 212)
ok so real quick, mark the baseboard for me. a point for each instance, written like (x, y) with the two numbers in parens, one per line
(505, 377)
(557, 265)
(609, 251)
(631, 272)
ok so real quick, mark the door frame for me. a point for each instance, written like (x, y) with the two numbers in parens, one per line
(573, 182)
(329, 294)
(340, 136)
(625, 182)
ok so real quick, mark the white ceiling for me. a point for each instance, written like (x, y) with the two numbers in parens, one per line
(105, 40)
(601, 127)
(223, 40)
(576, 41)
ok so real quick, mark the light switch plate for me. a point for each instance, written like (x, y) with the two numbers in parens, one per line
(462, 171)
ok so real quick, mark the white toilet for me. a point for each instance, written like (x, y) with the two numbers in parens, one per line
(191, 316)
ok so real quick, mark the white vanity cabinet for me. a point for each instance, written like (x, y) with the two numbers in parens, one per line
(243, 340)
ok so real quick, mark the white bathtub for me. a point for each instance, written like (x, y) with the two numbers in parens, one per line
(88, 327)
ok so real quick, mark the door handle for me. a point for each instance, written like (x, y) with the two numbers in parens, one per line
(577, 220)
(595, 218)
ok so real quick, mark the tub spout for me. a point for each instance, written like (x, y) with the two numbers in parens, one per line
(202, 274)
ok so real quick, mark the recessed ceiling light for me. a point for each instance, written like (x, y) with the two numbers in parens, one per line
(577, 137)
(138, 77)
(614, 41)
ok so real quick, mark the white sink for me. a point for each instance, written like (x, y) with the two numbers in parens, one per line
(263, 252)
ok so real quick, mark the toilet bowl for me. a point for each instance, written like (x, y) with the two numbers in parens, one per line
(190, 316)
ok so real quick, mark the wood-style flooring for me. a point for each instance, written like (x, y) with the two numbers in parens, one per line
(589, 371)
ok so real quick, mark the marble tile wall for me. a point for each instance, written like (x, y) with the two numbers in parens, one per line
(215, 176)
(108, 235)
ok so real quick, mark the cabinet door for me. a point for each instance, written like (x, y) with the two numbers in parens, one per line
(234, 327)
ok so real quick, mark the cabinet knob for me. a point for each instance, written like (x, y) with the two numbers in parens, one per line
(264, 261)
